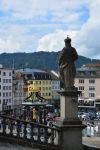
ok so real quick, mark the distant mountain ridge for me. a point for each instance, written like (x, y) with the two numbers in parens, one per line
(38, 60)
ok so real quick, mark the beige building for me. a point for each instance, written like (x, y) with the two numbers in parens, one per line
(88, 82)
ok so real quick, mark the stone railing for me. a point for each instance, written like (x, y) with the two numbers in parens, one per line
(29, 132)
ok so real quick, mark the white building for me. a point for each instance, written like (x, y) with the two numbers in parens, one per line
(55, 86)
(6, 101)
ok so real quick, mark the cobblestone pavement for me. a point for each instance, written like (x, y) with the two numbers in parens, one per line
(6, 146)
(93, 141)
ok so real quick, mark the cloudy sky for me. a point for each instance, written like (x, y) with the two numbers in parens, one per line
(42, 25)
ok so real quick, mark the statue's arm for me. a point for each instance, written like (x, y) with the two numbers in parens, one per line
(74, 54)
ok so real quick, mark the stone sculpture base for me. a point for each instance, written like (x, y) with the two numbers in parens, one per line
(71, 127)
(71, 131)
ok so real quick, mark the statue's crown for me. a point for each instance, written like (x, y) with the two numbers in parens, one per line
(67, 40)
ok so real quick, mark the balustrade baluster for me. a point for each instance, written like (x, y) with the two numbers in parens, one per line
(0, 124)
(52, 136)
(8, 123)
(25, 130)
(4, 126)
(46, 135)
(29, 131)
(59, 143)
(11, 127)
(38, 138)
(32, 133)
(18, 128)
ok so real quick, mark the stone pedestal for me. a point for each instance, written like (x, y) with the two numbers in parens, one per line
(69, 104)
(71, 127)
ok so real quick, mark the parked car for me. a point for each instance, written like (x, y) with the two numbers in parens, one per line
(80, 115)
(97, 118)
(85, 116)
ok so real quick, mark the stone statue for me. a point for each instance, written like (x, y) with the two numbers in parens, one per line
(67, 68)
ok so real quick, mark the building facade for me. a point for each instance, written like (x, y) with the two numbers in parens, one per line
(19, 94)
(6, 102)
(55, 86)
(38, 81)
(88, 81)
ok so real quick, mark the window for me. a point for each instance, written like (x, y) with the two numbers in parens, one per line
(9, 107)
(81, 81)
(6, 80)
(9, 80)
(6, 94)
(0, 101)
(9, 87)
(43, 88)
(0, 79)
(46, 88)
(9, 100)
(4, 73)
(92, 81)
(9, 93)
(36, 82)
(4, 87)
(4, 101)
(91, 88)
(49, 94)
(9, 73)
(81, 94)
(91, 94)
(81, 88)
(43, 82)
(3, 94)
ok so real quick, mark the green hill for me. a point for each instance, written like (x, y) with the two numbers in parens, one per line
(39, 60)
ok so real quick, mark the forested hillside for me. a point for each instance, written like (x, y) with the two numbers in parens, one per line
(39, 60)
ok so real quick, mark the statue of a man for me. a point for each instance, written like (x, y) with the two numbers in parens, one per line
(67, 68)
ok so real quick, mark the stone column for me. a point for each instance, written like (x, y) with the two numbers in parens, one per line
(71, 127)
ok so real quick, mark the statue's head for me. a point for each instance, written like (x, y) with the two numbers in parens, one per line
(67, 40)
